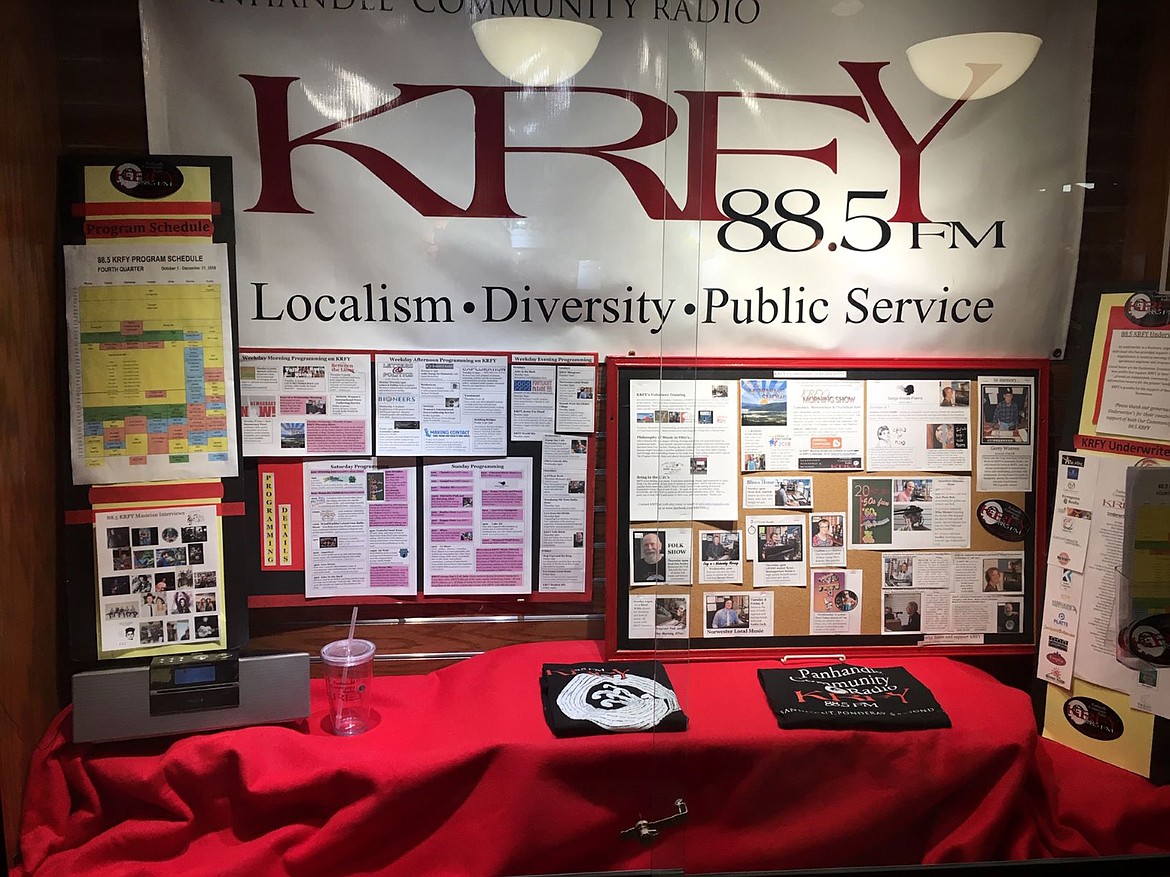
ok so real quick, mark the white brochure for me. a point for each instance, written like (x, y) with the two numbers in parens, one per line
(1059, 625)
(835, 602)
(477, 527)
(1072, 518)
(576, 405)
(789, 425)
(360, 532)
(564, 513)
(441, 405)
(919, 425)
(534, 402)
(1006, 431)
(304, 404)
(683, 440)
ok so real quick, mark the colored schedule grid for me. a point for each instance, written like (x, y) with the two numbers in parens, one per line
(153, 373)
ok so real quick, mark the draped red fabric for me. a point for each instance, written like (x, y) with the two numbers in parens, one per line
(460, 775)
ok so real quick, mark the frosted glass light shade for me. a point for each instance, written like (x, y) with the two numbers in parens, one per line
(536, 51)
(972, 65)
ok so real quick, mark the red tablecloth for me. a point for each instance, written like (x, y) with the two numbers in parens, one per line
(461, 776)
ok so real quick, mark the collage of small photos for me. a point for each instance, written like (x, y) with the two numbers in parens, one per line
(157, 577)
(852, 490)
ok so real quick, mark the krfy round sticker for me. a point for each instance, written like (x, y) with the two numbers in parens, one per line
(1003, 520)
(1147, 639)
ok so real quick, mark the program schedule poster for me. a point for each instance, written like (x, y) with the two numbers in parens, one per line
(552, 393)
(151, 387)
(477, 527)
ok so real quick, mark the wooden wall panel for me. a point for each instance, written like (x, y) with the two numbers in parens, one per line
(30, 641)
(407, 645)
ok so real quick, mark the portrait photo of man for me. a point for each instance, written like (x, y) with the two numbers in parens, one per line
(649, 549)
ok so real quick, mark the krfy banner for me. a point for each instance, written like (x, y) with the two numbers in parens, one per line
(741, 177)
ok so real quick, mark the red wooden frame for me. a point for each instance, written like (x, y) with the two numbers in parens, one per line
(614, 365)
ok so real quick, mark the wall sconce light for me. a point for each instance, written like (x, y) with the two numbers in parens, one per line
(536, 51)
(972, 65)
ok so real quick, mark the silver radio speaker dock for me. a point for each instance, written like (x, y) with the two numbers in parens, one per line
(180, 694)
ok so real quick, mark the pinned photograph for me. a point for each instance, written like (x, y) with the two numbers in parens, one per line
(912, 509)
(954, 394)
(826, 586)
(649, 553)
(195, 534)
(1008, 617)
(763, 403)
(1003, 574)
(794, 493)
(121, 610)
(670, 615)
(145, 536)
(898, 570)
(902, 612)
(292, 435)
(150, 632)
(717, 545)
(828, 531)
(727, 611)
(780, 544)
(206, 626)
(1004, 414)
(115, 586)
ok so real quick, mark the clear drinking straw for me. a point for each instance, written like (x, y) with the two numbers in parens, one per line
(345, 668)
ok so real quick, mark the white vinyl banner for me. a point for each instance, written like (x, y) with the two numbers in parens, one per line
(726, 176)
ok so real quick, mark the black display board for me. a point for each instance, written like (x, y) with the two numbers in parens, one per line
(153, 174)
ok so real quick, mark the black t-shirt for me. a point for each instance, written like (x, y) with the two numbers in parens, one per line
(611, 698)
(845, 696)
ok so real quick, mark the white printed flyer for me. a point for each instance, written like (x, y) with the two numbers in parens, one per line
(790, 425)
(564, 512)
(360, 534)
(159, 579)
(304, 404)
(918, 425)
(441, 405)
(835, 602)
(683, 440)
(477, 527)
